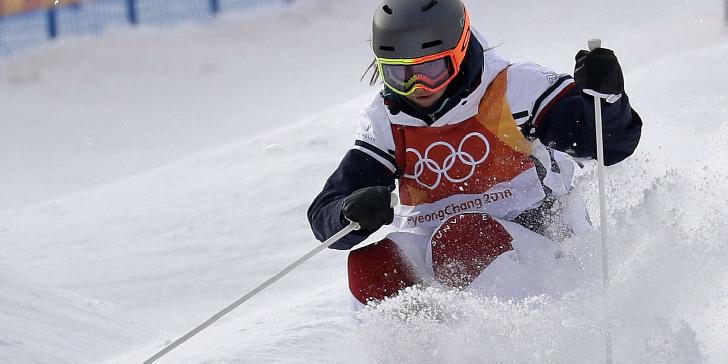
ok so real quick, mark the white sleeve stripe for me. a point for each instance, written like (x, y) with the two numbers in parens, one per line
(377, 151)
(546, 103)
(379, 159)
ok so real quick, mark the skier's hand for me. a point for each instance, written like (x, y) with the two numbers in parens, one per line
(599, 70)
(370, 207)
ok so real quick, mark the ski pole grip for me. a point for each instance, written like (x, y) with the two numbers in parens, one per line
(394, 200)
(594, 43)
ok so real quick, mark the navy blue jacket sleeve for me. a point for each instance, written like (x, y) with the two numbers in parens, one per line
(357, 170)
(570, 126)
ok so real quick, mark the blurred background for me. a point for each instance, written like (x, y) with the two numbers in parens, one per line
(91, 108)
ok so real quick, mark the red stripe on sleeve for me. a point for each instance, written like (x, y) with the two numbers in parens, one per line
(558, 97)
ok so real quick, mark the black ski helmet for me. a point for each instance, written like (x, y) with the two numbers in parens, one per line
(407, 29)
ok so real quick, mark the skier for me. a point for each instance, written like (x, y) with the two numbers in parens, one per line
(482, 149)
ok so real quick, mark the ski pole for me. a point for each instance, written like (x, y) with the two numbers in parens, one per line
(330, 241)
(594, 44)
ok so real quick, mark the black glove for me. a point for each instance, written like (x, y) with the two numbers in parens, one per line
(369, 207)
(599, 70)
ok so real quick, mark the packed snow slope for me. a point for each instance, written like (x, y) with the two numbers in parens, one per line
(113, 272)
(41, 324)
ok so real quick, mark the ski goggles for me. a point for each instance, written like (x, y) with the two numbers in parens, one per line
(431, 73)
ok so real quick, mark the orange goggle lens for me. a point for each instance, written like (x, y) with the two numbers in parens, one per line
(430, 75)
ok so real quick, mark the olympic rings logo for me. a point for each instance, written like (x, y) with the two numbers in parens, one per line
(425, 162)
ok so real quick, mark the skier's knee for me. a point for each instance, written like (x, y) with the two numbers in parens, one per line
(464, 245)
(378, 271)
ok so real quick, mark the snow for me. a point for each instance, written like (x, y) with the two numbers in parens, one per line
(37, 320)
(151, 177)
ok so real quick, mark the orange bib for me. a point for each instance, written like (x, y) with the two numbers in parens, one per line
(438, 164)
